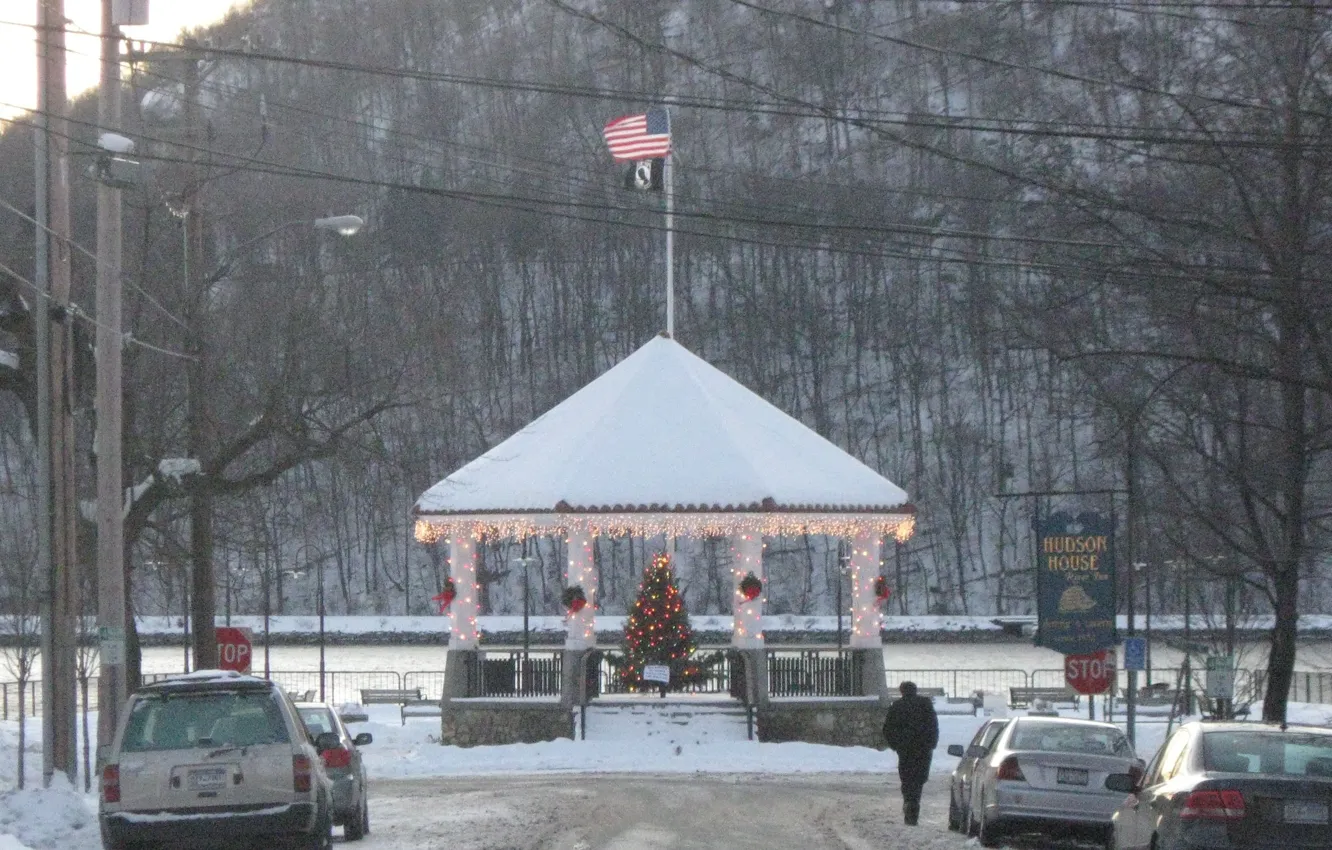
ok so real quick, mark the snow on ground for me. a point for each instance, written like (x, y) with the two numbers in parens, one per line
(65, 818)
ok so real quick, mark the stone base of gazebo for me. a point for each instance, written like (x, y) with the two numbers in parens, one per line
(475, 721)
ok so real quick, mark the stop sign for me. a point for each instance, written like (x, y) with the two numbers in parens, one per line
(233, 648)
(1090, 673)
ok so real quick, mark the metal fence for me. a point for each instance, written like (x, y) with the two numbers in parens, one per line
(790, 673)
(814, 673)
(965, 683)
(522, 674)
(712, 673)
(86, 696)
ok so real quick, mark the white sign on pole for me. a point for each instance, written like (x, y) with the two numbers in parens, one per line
(111, 645)
(1220, 676)
(657, 673)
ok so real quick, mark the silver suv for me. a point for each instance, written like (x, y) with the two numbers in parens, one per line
(214, 757)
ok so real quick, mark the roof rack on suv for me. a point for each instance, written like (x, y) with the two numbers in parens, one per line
(208, 678)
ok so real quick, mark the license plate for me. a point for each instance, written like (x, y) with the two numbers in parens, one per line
(1305, 811)
(208, 779)
(1071, 776)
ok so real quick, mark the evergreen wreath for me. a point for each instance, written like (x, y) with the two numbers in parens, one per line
(446, 596)
(574, 598)
(750, 587)
(881, 590)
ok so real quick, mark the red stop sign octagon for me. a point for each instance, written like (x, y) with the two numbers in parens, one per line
(233, 648)
(1090, 673)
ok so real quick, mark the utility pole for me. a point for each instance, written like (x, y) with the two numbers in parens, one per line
(111, 613)
(198, 412)
(55, 334)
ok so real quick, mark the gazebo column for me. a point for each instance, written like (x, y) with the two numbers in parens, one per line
(464, 654)
(747, 615)
(580, 635)
(866, 619)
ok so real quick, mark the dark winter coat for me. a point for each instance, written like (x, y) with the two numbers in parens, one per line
(912, 730)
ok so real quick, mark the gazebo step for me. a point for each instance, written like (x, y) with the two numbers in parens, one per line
(666, 722)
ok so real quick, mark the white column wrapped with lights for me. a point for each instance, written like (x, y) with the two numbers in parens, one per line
(866, 618)
(747, 623)
(582, 624)
(463, 632)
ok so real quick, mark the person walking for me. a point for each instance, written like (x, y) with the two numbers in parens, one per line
(911, 730)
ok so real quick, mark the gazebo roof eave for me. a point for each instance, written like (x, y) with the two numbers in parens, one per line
(683, 521)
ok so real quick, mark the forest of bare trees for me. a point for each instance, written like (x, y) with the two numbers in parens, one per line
(987, 247)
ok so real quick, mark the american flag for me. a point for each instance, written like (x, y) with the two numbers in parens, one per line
(638, 137)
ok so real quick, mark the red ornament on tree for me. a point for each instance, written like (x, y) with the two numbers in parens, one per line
(446, 596)
(574, 598)
(750, 587)
(881, 590)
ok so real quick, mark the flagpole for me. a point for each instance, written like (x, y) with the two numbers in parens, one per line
(670, 245)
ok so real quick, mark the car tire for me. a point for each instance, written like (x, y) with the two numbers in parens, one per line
(954, 816)
(321, 837)
(356, 827)
(988, 833)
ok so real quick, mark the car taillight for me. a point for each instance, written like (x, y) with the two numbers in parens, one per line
(1008, 769)
(111, 783)
(301, 773)
(337, 757)
(1213, 805)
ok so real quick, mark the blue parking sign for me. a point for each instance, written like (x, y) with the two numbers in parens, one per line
(1135, 653)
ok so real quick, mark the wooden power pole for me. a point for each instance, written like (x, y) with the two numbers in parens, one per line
(56, 419)
(111, 608)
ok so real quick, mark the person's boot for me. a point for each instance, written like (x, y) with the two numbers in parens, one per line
(911, 813)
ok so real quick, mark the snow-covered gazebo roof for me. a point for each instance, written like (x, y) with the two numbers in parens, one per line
(663, 442)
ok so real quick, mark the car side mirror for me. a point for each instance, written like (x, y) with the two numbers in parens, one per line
(956, 750)
(977, 751)
(362, 739)
(327, 741)
(1124, 782)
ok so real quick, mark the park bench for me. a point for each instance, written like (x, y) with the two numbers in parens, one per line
(412, 703)
(943, 704)
(420, 708)
(1024, 697)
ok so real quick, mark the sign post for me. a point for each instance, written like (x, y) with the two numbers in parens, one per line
(235, 648)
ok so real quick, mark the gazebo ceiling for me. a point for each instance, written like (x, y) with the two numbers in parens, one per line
(665, 442)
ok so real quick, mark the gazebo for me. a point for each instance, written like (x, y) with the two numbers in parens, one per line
(663, 443)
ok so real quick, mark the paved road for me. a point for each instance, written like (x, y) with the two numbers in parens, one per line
(654, 812)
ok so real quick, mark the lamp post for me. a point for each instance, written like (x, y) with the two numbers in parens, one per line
(843, 567)
(321, 628)
(198, 409)
(525, 561)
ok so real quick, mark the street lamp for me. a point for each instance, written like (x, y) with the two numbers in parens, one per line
(526, 561)
(843, 568)
(321, 628)
(198, 408)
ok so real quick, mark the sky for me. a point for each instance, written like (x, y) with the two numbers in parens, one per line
(18, 56)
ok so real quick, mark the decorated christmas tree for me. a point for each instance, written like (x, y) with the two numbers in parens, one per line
(657, 631)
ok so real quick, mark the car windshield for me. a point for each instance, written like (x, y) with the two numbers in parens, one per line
(1273, 752)
(317, 720)
(1055, 738)
(180, 721)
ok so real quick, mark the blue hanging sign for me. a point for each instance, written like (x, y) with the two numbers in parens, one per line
(1075, 583)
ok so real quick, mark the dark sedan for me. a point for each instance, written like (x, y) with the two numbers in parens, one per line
(1230, 786)
(351, 798)
(959, 788)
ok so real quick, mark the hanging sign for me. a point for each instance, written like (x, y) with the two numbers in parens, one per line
(1075, 583)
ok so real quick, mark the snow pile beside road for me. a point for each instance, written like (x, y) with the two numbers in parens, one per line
(41, 818)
